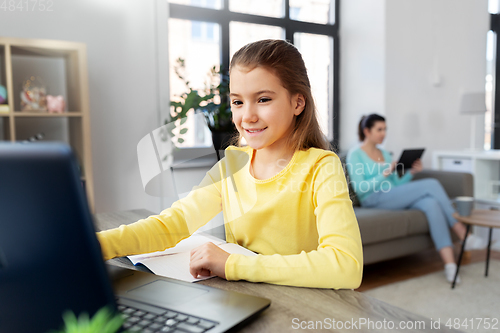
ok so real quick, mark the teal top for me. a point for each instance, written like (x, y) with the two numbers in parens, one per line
(365, 174)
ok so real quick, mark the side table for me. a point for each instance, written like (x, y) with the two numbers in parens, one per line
(482, 218)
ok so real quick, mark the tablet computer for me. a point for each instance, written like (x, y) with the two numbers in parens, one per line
(408, 156)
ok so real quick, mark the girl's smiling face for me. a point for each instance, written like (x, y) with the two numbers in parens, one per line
(263, 110)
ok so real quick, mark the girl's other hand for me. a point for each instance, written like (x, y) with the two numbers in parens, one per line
(208, 259)
(416, 167)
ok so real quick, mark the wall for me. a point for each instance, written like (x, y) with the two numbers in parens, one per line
(362, 64)
(427, 52)
(435, 50)
(121, 46)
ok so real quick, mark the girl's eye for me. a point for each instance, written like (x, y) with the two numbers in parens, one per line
(236, 102)
(264, 100)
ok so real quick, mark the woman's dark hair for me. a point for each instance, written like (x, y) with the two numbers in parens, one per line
(368, 122)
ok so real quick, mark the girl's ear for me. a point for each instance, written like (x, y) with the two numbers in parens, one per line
(299, 103)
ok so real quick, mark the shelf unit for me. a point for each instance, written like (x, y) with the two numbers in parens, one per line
(63, 67)
(483, 165)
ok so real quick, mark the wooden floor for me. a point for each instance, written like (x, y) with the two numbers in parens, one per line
(380, 274)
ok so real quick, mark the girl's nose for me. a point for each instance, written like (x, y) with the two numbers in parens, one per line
(249, 114)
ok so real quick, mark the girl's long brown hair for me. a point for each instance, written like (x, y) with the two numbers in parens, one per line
(285, 61)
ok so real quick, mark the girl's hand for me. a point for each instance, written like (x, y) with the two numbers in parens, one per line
(390, 169)
(416, 167)
(208, 259)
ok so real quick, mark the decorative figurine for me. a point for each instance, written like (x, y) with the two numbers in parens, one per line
(33, 95)
(55, 104)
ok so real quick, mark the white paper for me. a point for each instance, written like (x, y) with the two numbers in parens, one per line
(185, 245)
(235, 248)
(174, 266)
(174, 262)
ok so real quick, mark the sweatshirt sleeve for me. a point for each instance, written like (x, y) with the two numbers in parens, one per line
(338, 260)
(159, 232)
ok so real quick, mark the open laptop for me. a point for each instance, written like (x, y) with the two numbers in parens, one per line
(50, 258)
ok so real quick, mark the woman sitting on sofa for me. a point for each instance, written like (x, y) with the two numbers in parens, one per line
(377, 185)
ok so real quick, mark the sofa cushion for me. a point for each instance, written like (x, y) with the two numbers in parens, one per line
(396, 248)
(352, 194)
(380, 225)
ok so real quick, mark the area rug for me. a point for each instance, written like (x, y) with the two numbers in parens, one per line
(473, 306)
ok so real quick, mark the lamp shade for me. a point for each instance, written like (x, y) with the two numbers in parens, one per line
(473, 103)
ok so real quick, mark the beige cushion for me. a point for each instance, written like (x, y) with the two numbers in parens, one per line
(396, 248)
(379, 225)
(352, 194)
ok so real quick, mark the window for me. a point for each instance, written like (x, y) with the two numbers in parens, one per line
(273, 8)
(214, 4)
(200, 51)
(488, 126)
(492, 117)
(317, 52)
(206, 33)
(243, 33)
(317, 11)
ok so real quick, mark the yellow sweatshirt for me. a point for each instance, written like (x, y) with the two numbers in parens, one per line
(300, 222)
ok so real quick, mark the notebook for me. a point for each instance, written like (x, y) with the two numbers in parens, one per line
(51, 261)
(174, 262)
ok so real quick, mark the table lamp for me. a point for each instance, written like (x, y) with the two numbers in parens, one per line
(473, 103)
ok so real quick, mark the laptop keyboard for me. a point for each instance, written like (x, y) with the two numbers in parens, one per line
(146, 318)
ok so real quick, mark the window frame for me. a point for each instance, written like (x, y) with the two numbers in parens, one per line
(495, 131)
(224, 16)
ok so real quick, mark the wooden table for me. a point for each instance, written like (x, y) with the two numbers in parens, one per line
(293, 308)
(482, 218)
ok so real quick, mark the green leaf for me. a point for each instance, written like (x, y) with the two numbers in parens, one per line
(114, 324)
(180, 140)
(176, 104)
(183, 131)
(183, 120)
(84, 319)
(104, 321)
(99, 320)
(70, 321)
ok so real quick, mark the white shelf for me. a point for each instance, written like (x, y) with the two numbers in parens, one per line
(46, 114)
(483, 165)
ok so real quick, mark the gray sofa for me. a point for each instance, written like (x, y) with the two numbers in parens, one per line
(390, 234)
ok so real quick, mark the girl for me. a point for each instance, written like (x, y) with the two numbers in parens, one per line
(372, 175)
(283, 196)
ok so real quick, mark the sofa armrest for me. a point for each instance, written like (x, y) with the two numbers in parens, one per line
(455, 183)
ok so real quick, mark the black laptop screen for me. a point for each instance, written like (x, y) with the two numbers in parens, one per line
(50, 259)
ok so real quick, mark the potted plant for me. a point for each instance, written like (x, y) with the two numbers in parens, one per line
(218, 111)
(213, 101)
(104, 321)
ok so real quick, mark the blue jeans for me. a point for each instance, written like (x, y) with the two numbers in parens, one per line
(426, 195)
